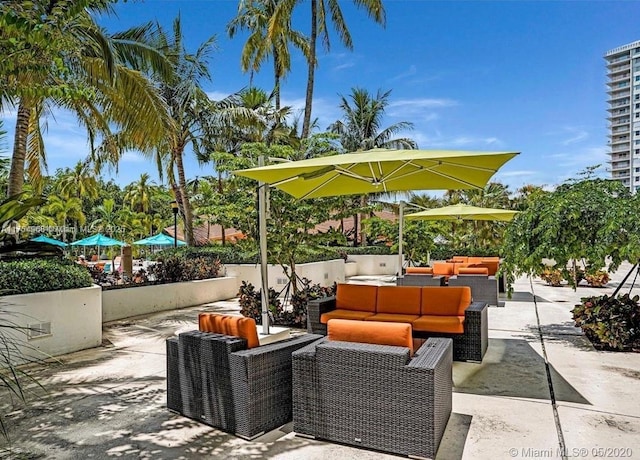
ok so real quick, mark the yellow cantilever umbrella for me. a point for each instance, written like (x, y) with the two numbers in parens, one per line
(464, 212)
(371, 171)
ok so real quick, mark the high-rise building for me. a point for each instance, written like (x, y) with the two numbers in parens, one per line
(623, 72)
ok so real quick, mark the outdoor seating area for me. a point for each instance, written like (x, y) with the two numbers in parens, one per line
(432, 311)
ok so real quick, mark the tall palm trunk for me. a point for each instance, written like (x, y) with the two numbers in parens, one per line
(16, 174)
(276, 73)
(223, 236)
(306, 124)
(184, 198)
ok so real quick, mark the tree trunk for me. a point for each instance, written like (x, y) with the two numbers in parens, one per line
(16, 174)
(355, 229)
(276, 73)
(184, 198)
(220, 190)
(306, 124)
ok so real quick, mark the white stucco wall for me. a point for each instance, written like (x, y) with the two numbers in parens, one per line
(127, 302)
(375, 264)
(74, 315)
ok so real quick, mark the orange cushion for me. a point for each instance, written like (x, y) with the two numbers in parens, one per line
(443, 268)
(396, 334)
(490, 265)
(392, 317)
(464, 259)
(445, 300)
(421, 270)
(238, 326)
(444, 324)
(475, 260)
(360, 297)
(399, 299)
(458, 266)
(344, 314)
(473, 271)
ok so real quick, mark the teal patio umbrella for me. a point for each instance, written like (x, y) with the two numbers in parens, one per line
(98, 240)
(159, 240)
(46, 239)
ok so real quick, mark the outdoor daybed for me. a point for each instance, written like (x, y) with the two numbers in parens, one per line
(378, 394)
(432, 311)
(221, 376)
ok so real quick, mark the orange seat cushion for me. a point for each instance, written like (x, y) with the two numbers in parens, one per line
(359, 297)
(238, 326)
(344, 314)
(392, 317)
(459, 266)
(490, 265)
(419, 270)
(463, 259)
(443, 324)
(396, 334)
(399, 299)
(443, 269)
(473, 271)
(445, 300)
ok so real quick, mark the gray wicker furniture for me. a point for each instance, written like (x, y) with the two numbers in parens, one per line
(470, 345)
(374, 396)
(419, 279)
(215, 379)
(483, 288)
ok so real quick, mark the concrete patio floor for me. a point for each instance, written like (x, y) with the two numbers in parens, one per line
(541, 388)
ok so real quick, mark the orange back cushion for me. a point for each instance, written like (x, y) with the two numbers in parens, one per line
(360, 297)
(399, 299)
(377, 332)
(474, 260)
(445, 300)
(421, 270)
(238, 326)
(443, 268)
(491, 265)
(460, 259)
(473, 270)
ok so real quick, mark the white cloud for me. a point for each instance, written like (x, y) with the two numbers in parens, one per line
(577, 135)
(408, 73)
(345, 65)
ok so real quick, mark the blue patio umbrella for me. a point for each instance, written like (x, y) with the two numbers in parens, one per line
(159, 240)
(98, 240)
(46, 239)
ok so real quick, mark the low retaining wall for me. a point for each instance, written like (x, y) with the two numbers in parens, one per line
(375, 264)
(59, 321)
(127, 302)
(324, 273)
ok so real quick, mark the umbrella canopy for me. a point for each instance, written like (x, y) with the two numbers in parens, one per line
(98, 240)
(159, 240)
(46, 239)
(381, 170)
(464, 212)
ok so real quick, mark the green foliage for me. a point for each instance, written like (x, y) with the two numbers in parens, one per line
(173, 269)
(227, 254)
(552, 276)
(380, 249)
(587, 220)
(295, 316)
(610, 322)
(39, 275)
(597, 278)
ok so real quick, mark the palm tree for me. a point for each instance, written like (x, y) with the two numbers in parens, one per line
(79, 182)
(139, 193)
(67, 60)
(321, 12)
(255, 16)
(107, 219)
(186, 100)
(65, 210)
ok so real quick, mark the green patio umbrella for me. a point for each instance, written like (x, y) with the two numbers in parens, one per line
(370, 171)
(464, 212)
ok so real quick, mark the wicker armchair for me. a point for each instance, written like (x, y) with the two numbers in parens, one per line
(374, 396)
(215, 379)
(484, 288)
(419, 279)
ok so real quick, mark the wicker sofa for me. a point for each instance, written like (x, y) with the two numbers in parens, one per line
(433, 311)
(374, 396)
(484, 287)
(227, 380)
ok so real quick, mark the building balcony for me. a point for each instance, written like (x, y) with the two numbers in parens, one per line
(618, 69)
(620, 166)
(618, 79)
(618, 92)
(618, 103)
(616, 97)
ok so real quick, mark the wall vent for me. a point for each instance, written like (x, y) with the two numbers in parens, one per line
(282, 281)
(37, 330)
(383, 264)
(326, 276)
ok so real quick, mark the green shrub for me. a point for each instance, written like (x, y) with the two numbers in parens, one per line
(38, 275)
(176, 268)
(610, 322)
(552, 276)
(251, 303)
(380, 250)
(227, 254)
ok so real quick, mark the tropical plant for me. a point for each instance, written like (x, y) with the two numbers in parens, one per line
(611, 323)
(65, 211)
(56, 55)
(79, 182)
(322, 11)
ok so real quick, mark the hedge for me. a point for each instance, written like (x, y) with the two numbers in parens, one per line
(38, 275)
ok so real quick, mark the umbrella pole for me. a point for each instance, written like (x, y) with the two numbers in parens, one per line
(400, 231)
(262, 224)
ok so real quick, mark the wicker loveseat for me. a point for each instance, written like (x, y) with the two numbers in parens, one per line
(371, 395)
(432, 311)
(484, 287)
(225, 379)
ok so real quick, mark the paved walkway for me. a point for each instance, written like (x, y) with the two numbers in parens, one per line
(542, 391)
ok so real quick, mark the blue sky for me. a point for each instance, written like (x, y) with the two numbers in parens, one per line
(472, 75)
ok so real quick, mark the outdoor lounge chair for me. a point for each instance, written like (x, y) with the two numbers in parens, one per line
(229, 381)
(484, 288)
(419, 276)
(371, 395)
